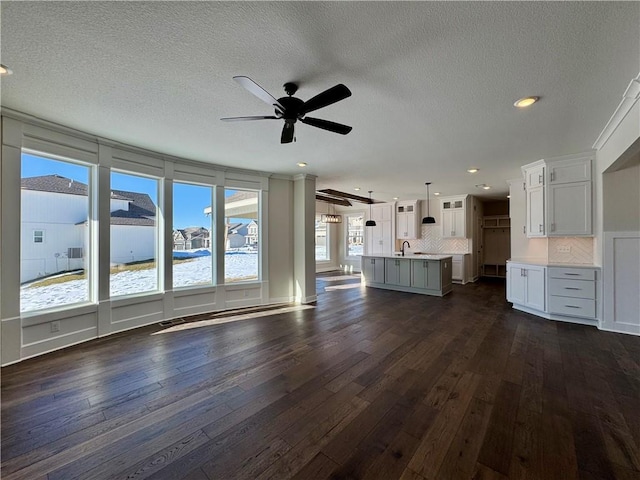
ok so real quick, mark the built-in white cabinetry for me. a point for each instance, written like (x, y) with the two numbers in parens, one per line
(559, 196)
(526, 285)
(460, 268)
(568, 293)
(397, 271)
(572, 291)
(379, 239)
(373, 269)
(454, 216)
(408, 219)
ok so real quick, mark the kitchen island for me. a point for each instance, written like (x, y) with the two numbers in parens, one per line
(413, 273)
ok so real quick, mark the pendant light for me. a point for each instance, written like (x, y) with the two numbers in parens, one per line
(428, 219)
(370, 223)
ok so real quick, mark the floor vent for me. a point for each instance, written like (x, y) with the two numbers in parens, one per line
(170, 323)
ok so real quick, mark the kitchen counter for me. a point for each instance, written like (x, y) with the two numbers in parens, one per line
(546, 263)
(413, 273)
(425, 256)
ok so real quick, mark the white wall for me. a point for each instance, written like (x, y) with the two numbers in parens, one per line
(621, 197)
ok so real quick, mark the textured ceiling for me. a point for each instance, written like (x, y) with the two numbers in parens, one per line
(433, 83)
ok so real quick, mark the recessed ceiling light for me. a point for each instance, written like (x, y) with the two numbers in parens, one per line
(484, 186)
(4, 70)
(395, 198)
(473, 170)
(525, 102)
(357, 189)
(436, 193)
(301, 164)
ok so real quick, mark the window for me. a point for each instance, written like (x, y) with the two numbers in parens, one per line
(134, 234)
(355, 235)
(192, 238)
(54, 216)
(322, 240)
(242, 235)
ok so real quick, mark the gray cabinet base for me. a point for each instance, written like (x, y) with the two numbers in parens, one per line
(399, 288)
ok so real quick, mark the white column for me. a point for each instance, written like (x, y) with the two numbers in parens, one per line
(304, 261)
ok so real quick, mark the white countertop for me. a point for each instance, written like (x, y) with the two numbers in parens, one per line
(546, 263)
(411, 256)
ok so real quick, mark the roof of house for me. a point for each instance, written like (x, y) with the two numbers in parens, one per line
(141, 207)
(55, 184)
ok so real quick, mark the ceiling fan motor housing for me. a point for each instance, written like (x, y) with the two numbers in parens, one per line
(292, 108)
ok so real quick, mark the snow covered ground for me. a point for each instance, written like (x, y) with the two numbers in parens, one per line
(238, 265)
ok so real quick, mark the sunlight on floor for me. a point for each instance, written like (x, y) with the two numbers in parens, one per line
(339, 277)
(344, 287)
(234, 318)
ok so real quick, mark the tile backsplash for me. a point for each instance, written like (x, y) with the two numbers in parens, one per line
(432, 242)
(570, 250)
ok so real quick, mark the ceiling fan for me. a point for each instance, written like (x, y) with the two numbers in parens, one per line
(291, 109)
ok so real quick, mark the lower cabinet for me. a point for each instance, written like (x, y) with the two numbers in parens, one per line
(373, 269)
(558, 293)
(397, 271)
(526, 285)
(425, 274)
(572, 291)
(412, 275)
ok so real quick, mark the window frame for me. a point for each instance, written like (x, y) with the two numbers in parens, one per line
(346, 234)
(318, 219)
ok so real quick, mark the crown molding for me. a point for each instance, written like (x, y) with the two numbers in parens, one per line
(629, 99)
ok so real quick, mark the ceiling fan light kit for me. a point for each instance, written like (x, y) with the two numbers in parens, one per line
(291, 109)
(428, 220)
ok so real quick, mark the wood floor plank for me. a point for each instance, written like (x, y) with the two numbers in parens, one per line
(366, 384)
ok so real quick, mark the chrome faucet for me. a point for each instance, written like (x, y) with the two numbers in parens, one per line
(408, 245)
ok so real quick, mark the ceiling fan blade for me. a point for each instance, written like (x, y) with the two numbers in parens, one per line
(258, 91)
(287, 133)
(332, 95)
(327, 125)
(243, 119)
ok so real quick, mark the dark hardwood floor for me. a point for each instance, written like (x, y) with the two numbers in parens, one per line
(366, 384)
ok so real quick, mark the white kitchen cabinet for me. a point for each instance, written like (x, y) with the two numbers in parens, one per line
(408, 219)
(460, 267)
(373, 269)
(572, 291)
(570, 209)
(559, 197)
(379, 239)
(535, 212)
(526, 285)
(454, 217)
(397, 271)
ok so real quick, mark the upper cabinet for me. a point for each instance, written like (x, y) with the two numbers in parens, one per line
(454, 216)
(559, 196)
(408, 219)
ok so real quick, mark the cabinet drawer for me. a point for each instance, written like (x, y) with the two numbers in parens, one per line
(577, 307)
(573, 273)
(572, 288)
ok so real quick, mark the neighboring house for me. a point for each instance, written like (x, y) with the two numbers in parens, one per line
(251, 238)
(191, 237)
(236, 235)
(54, 239)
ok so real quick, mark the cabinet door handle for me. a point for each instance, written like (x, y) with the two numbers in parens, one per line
(572, 288)
(553, 176)
(540, 227)
(553, 227)
(572, 274)
(572, 306)
(524, 229)
(540, 179)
